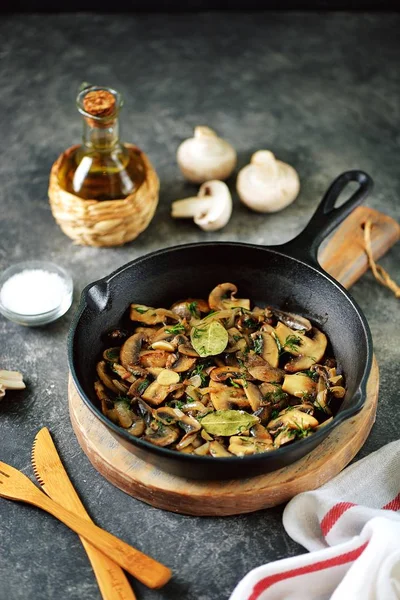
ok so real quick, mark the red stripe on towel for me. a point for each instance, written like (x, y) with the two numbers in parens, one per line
(393, 504)
(342, 559)
(333, 515)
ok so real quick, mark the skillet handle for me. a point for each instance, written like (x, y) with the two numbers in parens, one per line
(326, 218)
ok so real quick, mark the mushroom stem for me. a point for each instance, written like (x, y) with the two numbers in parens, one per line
(190, 207)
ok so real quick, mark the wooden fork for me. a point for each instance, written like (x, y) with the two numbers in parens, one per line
(14, 485)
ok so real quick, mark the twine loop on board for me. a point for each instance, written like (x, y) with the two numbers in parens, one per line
(379, 272)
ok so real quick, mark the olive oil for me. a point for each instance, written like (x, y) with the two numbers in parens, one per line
(101, 168)
(95, 175)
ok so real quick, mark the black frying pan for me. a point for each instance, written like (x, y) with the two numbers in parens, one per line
(287, 276)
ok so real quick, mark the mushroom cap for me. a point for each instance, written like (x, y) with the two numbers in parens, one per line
(220, 208)
(206, 156)
(267, 184)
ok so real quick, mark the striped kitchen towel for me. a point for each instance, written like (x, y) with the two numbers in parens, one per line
(351, 527)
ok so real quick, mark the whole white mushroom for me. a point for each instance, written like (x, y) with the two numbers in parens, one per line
(206, 156)
(267, 184)
(211, 209)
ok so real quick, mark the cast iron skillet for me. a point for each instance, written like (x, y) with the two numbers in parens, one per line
(287, 276)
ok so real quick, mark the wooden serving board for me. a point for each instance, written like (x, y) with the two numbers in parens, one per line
(345, 259)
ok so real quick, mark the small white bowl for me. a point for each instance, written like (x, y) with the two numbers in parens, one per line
(35, 320)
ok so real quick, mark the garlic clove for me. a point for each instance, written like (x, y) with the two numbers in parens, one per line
(267, 184)
(212, 208)
(206, 156)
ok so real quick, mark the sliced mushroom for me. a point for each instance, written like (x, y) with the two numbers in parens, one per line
(188, 350)
(125, 414)
(261, 370)
(260, 433)
(299, 385)
(184, 363)
(306, 350)
(192, 307)
(253, 395)
(196, 408)
(224, 373)
(203, 450)
(154, 358)
(163, 435)
(146, 412)
(219, 300)
(187, 440)
(291, 320)
(224, 397)
(149, 315)
(121, 387)
(137, 388)
(270, 351)
(293, 419)
(321, 401)
(217, 450)
(156, 393)
(284, 437)
(167, 414)
(147, 333)
(138, 427)
(123, 373)
(106, 403)
(111, 355)
(242, 445)
(130, 350)
(105, 377)
(337, 391)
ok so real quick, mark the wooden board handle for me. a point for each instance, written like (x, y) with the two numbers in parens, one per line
(344, 256)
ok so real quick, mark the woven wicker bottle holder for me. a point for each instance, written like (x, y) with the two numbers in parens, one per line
(107, 223)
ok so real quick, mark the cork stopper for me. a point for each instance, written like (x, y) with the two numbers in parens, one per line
(100, 103)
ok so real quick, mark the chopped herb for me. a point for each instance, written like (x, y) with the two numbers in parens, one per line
(258, 344)
(140, 310)
(291, 342)
(236, 385)
(160, 427)
(237, 338)
(121, 398)
(278, 343)
(276, 396)
(250, 323)
(196, 332)
(308, 396)
(178, 328)
(179, 404)
(143, 385)
(274, 414)
(311, 374)
(192, 307)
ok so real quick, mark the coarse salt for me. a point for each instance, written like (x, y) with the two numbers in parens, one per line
(33, 292)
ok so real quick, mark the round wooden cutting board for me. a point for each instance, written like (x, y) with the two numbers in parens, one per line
(220, 498)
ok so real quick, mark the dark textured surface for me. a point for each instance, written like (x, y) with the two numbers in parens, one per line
(321, 91)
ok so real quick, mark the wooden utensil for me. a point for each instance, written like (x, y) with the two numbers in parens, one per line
(54, 479)
(14, 485)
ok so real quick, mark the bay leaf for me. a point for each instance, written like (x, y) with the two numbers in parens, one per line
(209, 339)
(228, 422)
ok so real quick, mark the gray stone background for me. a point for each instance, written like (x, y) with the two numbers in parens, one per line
(321, 91)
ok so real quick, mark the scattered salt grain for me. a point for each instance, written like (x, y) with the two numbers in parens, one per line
(33, 292)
